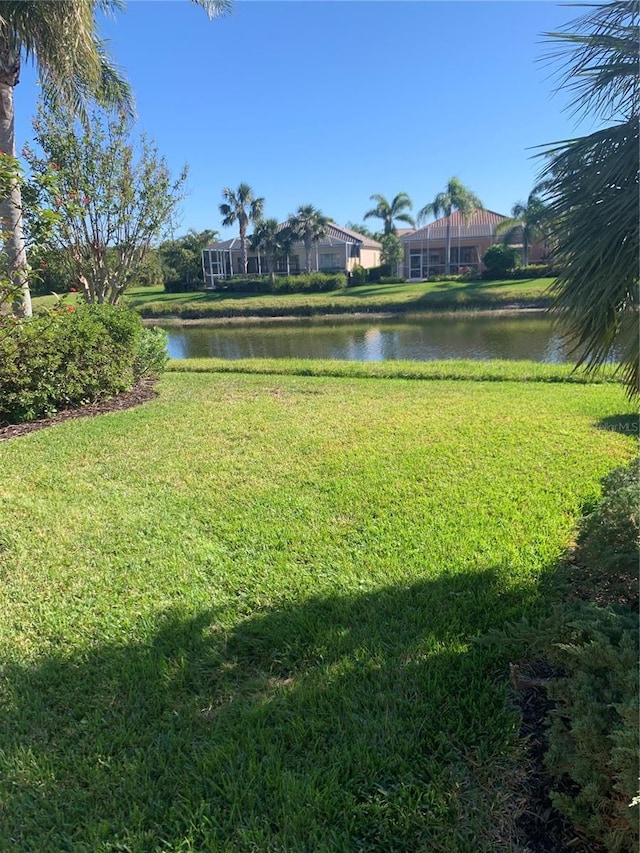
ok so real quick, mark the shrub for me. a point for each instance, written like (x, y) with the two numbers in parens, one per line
(179, 286)
(315, 282)
(536, 271)
(151, 354)
(358, 275)
(71, 356)
(500, 259)
(593, 732)
(593, 737)
(376, 273)
(608, 540)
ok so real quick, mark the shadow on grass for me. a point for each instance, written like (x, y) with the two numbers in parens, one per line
(359, 722)
(625, 424)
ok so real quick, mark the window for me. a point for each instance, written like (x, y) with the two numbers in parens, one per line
(330, 261)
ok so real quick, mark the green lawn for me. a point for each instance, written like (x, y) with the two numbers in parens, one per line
(241, 617)
(415, 296)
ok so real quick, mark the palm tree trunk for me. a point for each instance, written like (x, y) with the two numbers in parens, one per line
(11, 206)
(447, 260)
(244, 261)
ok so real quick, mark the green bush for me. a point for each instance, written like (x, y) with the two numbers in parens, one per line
(593, 734)
(376, 273)
(592, 754)
(71, 356)
(608, 540)
(151, 353)
(535, 271)
(593, 738)
(180, 286)
(499, 260)
(315, 282)
(358, 276)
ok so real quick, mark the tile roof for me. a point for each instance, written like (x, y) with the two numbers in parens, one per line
(337, 232)
(340, 232)
(481, 222)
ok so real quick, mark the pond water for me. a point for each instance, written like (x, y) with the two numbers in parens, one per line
(482, 336)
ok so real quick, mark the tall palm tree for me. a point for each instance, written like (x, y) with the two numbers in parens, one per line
(531, 219)
(243, 207)
(390, 211)
(309, 225)
(274, 241)
(591, 186)
(455, 197)
(60, 38)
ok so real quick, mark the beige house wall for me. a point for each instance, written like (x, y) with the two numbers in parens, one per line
(368, 258)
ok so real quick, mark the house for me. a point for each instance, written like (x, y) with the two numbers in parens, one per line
(339, 251)
(425, 248)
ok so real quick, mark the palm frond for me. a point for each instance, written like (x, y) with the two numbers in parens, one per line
(598, 55)
(593, 200)
(215, 8)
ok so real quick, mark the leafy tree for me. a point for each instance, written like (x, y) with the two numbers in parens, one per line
(499, 259)
(309, 225)
(392, 251)
(391, 211)
(591, 186)
(455, 197)
(113, 202)
(530, 220)
(274, 241)
(243, 207)
(61, 40)
(181, 259)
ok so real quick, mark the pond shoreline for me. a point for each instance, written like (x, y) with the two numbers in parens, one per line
(347, 316)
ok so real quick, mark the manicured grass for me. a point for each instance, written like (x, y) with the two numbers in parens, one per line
(415, 296)
(241, 617)
(395, 298)
(494, 370)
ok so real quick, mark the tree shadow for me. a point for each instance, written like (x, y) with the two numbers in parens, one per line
(358, 722)
(625, 424)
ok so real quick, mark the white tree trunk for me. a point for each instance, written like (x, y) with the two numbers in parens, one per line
(11, 207)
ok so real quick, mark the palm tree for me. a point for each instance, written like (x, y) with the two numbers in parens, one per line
(362, 229)
(274, 241)
(61, 40)
(390, 211)
(531, 219)
(309, 225)
(243, 207)
(591, 186)
(455, 197)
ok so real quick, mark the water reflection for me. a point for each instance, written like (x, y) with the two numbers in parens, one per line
(480, 337)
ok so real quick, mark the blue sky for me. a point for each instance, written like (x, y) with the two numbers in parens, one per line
(325, 103)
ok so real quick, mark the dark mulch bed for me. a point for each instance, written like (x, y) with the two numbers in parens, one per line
(540, 827)
(143, 391)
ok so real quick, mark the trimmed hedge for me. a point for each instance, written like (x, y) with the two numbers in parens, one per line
(315, 282)
(72, 356)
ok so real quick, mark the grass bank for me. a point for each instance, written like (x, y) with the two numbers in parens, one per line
(495, 370)
(241, 617)
(382, 298)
